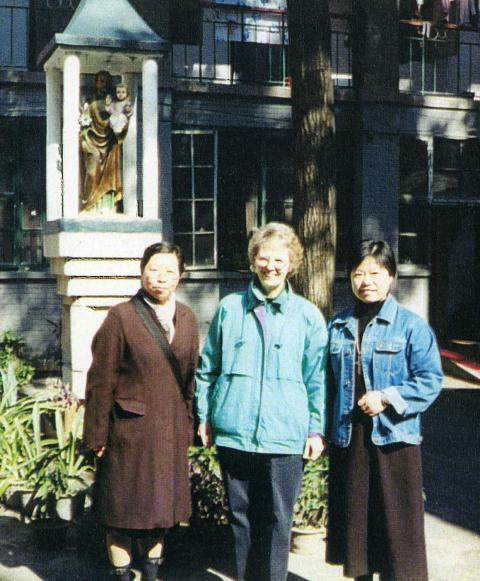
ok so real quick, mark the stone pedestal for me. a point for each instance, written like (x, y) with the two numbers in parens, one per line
(97, 264)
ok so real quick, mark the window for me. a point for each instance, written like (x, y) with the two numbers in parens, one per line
(194, 196)
(345, 184)
(242, 43)
(456, 170)
(256, 184)
(414, 207)
(13, 33)
(22, 193)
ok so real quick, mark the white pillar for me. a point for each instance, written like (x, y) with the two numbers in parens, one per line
(130, 203)
(150, 190)
(71, 113)
(54, 135)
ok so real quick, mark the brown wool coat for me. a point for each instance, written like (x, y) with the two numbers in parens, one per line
(134, 407)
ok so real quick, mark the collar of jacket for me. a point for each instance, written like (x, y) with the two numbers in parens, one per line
(387, 314)
(256, 297)
(179, 310)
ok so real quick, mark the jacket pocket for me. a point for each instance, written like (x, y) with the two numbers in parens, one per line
(131, 406)
(230, 404)
(389, 358)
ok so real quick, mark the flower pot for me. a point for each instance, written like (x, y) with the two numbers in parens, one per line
(17, 499)
(69, 507)
(306, 541)
(49, 534)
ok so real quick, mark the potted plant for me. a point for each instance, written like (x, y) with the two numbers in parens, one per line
(310, 510)
(21, 445)
(65, 473)
(209, 507)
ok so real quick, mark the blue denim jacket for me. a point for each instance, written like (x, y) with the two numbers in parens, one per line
(399, 356)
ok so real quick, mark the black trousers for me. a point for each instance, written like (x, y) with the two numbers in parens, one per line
(376, 521)
(261, 491)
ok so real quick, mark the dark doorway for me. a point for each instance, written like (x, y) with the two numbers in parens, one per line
(455, 283)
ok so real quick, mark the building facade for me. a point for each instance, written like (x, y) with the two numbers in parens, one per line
(407, 91)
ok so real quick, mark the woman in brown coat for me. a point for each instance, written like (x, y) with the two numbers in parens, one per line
(138, 417)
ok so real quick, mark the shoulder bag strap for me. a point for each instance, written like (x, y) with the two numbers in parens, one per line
(156, 331)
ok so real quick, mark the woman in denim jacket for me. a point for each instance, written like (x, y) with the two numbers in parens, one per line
(385, 371)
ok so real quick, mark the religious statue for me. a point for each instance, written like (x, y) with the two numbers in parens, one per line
(104, 125)
(120, 110)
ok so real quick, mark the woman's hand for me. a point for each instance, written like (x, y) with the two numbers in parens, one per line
(205, 433)
(372, 403)
(314, 447)
(99, 452)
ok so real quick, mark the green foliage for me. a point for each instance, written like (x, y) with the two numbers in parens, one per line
(208, 494)
(65, 470)
(14, 357)
(48, 467)
(21, 445)
(311, 507)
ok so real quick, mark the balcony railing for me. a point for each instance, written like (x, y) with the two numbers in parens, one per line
(446, 63)
(237, 50)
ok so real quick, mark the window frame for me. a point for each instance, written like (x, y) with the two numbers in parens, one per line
(20, 230)
(16, 7)
(459, 199)
(192, 199)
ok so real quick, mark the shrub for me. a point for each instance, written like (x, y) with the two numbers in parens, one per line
(14, 356)
(311, 507)
(208, 495)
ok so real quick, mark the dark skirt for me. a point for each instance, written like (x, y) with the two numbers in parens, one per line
(376, 518)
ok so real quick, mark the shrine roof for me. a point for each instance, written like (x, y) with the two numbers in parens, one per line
(107, 24)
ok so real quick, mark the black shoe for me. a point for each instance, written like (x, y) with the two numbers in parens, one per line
(149, 568)
(121, 573)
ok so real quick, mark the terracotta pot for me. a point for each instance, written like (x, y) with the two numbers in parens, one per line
(70, 507)
(306, 541)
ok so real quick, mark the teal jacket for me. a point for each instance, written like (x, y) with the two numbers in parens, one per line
(261, 379)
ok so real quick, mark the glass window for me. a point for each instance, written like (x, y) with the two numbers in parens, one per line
(345, 183)
(22, 193)
(456, 170)
(13, 33)
(255, 186)
(194, 196)
(414, 209)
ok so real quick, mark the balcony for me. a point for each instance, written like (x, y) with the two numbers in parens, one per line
(446, 62)
(243, 45)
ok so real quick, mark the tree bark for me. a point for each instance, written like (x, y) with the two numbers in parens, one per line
(313, 116)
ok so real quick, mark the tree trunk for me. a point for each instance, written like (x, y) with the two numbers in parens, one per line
(314, 130)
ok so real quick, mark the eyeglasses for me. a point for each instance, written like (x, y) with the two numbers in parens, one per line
(278, 264)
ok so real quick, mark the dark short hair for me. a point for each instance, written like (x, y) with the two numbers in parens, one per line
(162, 248)
(380, 250)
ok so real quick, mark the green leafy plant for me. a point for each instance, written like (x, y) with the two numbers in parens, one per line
(66, 470)
(311, 507)
(21, 443)
(208, 494)
(14, 356)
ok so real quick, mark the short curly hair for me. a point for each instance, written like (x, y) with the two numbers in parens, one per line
(278, 231)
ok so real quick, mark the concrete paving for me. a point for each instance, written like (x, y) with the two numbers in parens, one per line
(453, 555)
(451, 454)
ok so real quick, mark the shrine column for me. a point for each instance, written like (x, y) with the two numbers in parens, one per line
(71, 157)
(54, 138)
(150, 187)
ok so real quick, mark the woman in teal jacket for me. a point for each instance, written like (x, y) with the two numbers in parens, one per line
(260, 397)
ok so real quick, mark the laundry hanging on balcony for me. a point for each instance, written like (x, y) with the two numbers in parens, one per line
(249, 25)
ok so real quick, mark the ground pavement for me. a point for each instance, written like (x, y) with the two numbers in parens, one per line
(451, 455)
